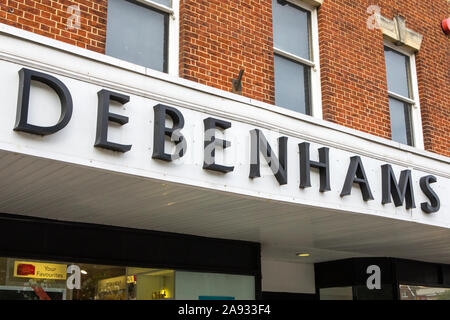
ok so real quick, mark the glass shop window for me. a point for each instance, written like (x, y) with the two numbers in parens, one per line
(336, 293)
(213, 286)
(29, 279)
(401, 99)
(408, 292)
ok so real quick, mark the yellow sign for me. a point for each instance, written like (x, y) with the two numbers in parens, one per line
(39, 270)
(112, 284)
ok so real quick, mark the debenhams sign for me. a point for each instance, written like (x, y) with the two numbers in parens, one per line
(399, 191)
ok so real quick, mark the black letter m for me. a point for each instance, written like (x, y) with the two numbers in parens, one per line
(399, 191)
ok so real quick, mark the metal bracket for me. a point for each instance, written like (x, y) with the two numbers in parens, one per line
(237, 83)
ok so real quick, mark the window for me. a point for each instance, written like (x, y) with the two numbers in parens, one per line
(213, 286)
(297, 83)
(144, 32)
(408, 292)
(403, 101)
(30, 279)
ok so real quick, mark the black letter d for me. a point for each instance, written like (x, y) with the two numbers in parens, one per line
(23, 102)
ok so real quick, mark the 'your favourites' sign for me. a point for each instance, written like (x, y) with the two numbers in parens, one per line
(171, 142)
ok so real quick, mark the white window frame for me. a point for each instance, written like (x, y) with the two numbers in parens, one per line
(173, 32)
(314, 64)
(414, 101)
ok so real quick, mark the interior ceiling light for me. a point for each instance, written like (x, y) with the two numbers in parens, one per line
(303, 254)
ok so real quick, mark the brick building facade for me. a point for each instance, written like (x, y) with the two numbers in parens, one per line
(219, 38)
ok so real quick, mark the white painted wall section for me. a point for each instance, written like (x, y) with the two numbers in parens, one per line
(279, 276)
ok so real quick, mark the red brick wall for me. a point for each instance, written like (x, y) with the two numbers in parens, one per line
(49, 18)
(353, 70)
(353, 73)
(220, 37)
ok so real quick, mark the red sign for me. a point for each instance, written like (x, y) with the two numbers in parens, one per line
(26, 269)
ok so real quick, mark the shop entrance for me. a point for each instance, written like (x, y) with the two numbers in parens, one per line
(382, 279)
